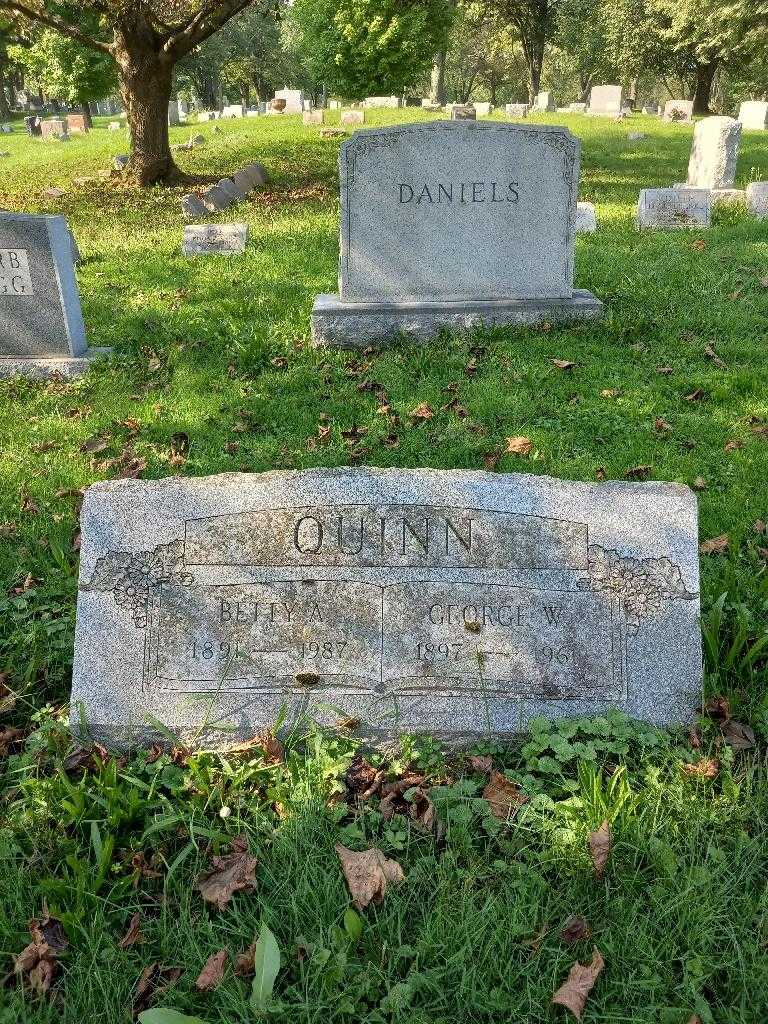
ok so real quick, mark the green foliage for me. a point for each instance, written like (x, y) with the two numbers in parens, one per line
(162, 1015)
(65, 69)
(266, 963)
(366, 47)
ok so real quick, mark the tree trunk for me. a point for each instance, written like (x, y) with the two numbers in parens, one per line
(705, 75)
(145, 87)
(437, 83)
(88, 118)
(4, 108)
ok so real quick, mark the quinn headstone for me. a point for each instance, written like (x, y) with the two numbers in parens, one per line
(42, 324)
(453, 224)
(452, 602)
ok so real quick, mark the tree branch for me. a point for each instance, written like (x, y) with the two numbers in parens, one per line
(209, 19)
(54, 22)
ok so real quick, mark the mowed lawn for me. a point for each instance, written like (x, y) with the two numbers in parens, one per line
(213, 372)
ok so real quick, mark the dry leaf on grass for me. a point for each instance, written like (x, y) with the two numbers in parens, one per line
(153, 981)
(133, 935)
(710, 353)
(638, 473)
(564, 364)
(573, 993)
(422, 412)
(229, 875)
(244, 962)
(213, 971)
(504, 797)
(704, 768)
(715, 545)
(600, 848)
(738, 735)
(369, 874)
(481, 763)
(575, 929)
(519, 445)
(272, 747)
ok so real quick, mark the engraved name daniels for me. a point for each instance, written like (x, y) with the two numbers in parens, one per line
(461, 192)
(354, 634)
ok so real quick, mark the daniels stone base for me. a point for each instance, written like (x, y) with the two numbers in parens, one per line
(50, 366)
(356, 324)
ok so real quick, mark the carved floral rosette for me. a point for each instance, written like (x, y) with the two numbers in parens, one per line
(642, 585)
(132, 578)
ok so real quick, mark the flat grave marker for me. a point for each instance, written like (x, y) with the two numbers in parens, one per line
(453, 602)
(212, 239)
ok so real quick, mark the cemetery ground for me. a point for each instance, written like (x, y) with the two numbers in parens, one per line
(213, 372)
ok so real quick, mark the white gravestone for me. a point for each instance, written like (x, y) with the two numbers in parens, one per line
(674, 208)
(294, 100)
(452, 602)
(212, 239)
(605, 100)
(352, 117)
(174, 119)
(753, 115)
(41, 323)
(389, 102)
(545, 101)
(453, 224)
(757, 199)
(586, 219)
(516, 109)
(715, 153)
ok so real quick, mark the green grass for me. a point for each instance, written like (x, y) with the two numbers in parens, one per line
(218, 349)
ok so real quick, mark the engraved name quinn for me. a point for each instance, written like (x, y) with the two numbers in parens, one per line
(387, 535)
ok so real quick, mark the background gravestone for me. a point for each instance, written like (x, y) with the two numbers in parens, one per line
(453, 224)
(605, 99)
(453, 602)
(714, 153)
(41, 323)
(679, 110)
(753, 115)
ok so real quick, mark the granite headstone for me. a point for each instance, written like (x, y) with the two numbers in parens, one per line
(674, 208)
(605, 100)
(453, 224)
(753, 115)
(41, 323)
(452, 602)
(213, 239)
(714, 153)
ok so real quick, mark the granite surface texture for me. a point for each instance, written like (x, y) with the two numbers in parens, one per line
(45, 368)
(40, 313)
(674, 208)
(714, 153)
(212, 239)
(339, 324)
(458, 210)
(452, 602)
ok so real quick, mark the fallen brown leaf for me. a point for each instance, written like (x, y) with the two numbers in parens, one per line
(715, 545)
(733, 445)
(37, 964)
(758, 526)
(638, 473)
(133, 935)
(711, 354)
(94, 445)
(574, 991)
(154, 980)
(665, 370)
(422, 412)
(704, 768)
(244, 965)
(480, 763)
(718, 708)
(504, 797)
(699, 484)
(738, 735)
(491, 460)
(229, 874)
(519, 445)
(213, 971)
(564, 364)
(272, 747)
(575, 929)
(661, 425)
(369, 874)
(362, 778)
(610, 393)
(695, 396)
(10, 738)
(600, 848)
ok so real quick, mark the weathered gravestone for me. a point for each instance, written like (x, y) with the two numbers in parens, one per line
(294, 100)
(452, 602)
(757, 199)
(453, 224)
(483, 109)
(388, 102)
(463, 112)
(545, 101)
(174, 118)
(313, 116)
(516, 109)
(753, 115)
(714, 153)
(54, 128)
(605, 100)
(674, 208)
(210, 239)
(352, 117)
(77, 124)
(41, 324)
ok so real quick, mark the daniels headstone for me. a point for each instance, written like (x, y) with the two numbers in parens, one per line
(453, 602)
(453, 224)
(41, 325)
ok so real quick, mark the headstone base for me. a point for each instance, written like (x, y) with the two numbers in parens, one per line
(338, 324)
(51, 366)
